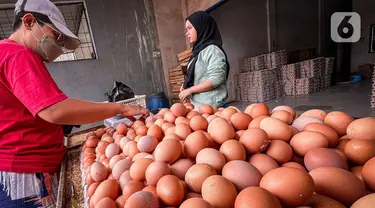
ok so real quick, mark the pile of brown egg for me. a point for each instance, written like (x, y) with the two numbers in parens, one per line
(207, 157)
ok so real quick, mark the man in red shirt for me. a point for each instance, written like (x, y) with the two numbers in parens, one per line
(33, 108)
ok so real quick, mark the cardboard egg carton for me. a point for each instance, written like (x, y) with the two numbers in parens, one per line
(305, 86)
(264, 61)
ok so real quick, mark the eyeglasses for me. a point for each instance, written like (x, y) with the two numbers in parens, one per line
(60, 37)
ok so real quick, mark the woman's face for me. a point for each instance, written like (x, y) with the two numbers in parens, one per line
(191, 33)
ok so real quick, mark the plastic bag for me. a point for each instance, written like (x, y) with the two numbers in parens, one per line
(120, 92)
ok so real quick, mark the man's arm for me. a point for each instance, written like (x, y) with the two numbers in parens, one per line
(78, 112)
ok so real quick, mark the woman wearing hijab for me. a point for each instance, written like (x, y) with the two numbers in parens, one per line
(208, 67)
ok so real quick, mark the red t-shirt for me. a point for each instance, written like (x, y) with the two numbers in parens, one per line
(28, 144)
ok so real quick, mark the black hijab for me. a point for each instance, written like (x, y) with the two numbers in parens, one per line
(207, 34)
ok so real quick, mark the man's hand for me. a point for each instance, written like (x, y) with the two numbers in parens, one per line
(185, 94)
(130, 110)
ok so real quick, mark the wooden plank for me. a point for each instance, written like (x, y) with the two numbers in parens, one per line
(175, 74)
(179, 68)
(184, 53)
(185, 57)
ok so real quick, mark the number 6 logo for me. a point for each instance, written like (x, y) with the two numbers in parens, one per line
(345, 27)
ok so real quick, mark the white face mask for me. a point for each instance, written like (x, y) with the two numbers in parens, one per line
(47, 48)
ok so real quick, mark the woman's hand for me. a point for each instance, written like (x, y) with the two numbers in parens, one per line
(182, 88)
(185, 94)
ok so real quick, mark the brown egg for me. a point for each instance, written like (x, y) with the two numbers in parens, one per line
(362, 128)
(283, 116)
(219, 191)
(178, 109)
(125, 150)
(329, 182)
(142, 199)
(155, 131)
(304, 141)
(194, 143)
(132, 187)
(365, 202)
(190, 105)
(259, 110)
(206, 109)
(339, 121)
(320, 201)
(255, 123)
(140, 155)
(166, 126)
(106, 203)
(263, 162)
(112, 150)
(197, 174)
(139, 167)
(316, 113)
(233, 150)
(169, 117)
(92, 188)
(102, 145)
(300, 122)
(121, 200)
(323, 157)
(137, 124)
(98, 172)
(172, 136)
(220, 130)
(92, 142)
(280, 151)
(107, 188)
(242, 174)
(192, 114)
(162, 111)
(160, 122)
(360, 151)
(182, 130)
(357, 171)
(147, 144)
(124, 179)
(120, 167)
(168, 151)
(276, 129)
(133, 150)
(227, 113)
(170, 190)
(329, 132)
(285, 108)
(99, 132)
(141, 131)
(123, 141)
(368, 173)
(155, 171)
(180, 167)
(205, 116)
(294, 165)
(89, 180)
(182, 119)
(342, 143)
(240, 121)
(212, 157)
(285, 184)
(198, 123)
(170, 130)
(196, 202)
(254, 140)
(211, 118)
(151, 189)
(249, 108)
(256, 197)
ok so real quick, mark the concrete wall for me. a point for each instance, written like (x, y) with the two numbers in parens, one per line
(125, 37)
(360, 49)
(297, 24)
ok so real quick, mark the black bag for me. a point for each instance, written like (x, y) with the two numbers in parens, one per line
(119, 92)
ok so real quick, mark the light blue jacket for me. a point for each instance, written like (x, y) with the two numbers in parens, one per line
(211, 65)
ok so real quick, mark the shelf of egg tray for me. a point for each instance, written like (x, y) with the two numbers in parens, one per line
(70, 171)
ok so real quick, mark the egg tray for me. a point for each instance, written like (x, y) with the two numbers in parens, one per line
(264, 61)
